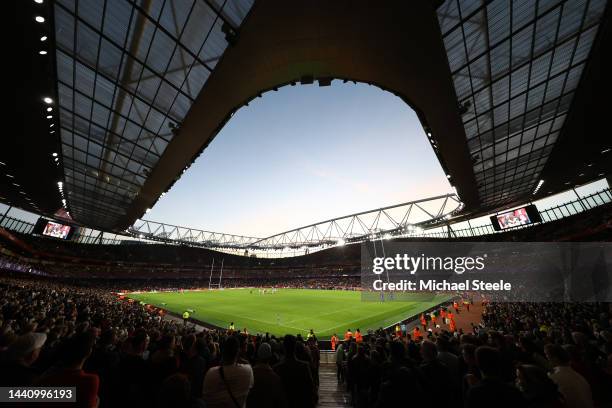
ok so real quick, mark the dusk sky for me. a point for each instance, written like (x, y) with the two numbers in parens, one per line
(305, 154)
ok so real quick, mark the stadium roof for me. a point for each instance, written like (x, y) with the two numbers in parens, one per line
(127, 74)
(142, 87)
(516, 66)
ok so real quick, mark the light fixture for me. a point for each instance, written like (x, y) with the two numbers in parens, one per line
(39, 19)
(48, 100)
(538, 186)
(341, 242)
(43, 38)
(49, 109)
(38, 1)
(43, 52)
(49, 117)
(448, 176)
(10, 176)
(605, 150)
(147, 210)
(54, 155)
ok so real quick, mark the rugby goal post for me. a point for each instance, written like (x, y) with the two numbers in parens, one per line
(217, 283)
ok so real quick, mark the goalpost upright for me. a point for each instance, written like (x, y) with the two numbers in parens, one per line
(210, 281)
(211, 272)
(221, 274)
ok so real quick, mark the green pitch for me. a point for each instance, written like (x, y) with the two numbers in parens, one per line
(289, 310)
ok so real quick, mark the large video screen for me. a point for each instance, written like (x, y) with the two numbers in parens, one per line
(56, 230)
(516, 218)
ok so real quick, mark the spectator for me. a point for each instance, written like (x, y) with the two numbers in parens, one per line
(192, 364)
(104, 361)
(268, 388)
(435, 373)
(228, 385)
(133, 372)
(471, 374)
(315, 358)
(296, 377)
(574, 388)
(175, 392)
(340, 361)
(359, 371)
(491, 390)
(69, 372)
(18, 370)
(538, 389)
(164, 362)
(445, 356)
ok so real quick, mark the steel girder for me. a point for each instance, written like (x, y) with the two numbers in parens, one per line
(403, 219)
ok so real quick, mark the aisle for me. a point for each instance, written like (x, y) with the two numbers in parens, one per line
(330, 393)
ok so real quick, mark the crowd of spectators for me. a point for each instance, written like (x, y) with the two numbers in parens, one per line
(120, 353)
(537, 355)
(165, 284)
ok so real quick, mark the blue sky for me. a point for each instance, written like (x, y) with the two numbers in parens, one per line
(304, 154)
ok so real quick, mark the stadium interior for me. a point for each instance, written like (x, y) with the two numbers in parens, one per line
(115, 101)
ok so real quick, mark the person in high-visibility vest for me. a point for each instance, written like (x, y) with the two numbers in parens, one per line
(416, 333)
(398, 330)
(449, 316)
(310, 335)
(232, 327)
(334, 341)
(423, 321)
(185, 317)
(358, 336)
(348, 335)
(452, 326)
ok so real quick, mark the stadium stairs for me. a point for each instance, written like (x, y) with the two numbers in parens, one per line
(331, 394)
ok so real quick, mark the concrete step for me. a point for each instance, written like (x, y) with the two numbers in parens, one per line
(331, 394)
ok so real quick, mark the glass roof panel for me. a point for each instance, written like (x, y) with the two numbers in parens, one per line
(516, 64)
(126, 70)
